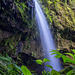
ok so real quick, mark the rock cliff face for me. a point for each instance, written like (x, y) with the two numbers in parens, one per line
(18, 33)
(61, 14)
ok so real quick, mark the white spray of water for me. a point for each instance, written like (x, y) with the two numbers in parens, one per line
(46, 39)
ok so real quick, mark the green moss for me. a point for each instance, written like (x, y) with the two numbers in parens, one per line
(22, 9)
(10, 44)
(63, 20)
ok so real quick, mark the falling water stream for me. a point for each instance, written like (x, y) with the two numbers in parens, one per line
(46, 38)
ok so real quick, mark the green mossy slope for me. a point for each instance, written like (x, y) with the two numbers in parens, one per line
(61, 14)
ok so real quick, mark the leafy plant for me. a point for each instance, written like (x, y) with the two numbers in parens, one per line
(39, 62)
(44, 60)
(68, 70)
(22, 9)
(46, 73)
(25, 70)
(8, 66)
(65, 58)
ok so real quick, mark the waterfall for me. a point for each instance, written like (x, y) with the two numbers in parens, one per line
(46, 39)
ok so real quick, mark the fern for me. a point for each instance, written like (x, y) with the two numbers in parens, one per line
(8, 66)
(65, 58)
(22, 9)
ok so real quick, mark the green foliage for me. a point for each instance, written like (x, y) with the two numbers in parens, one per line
(46, 73)
(54, 72)
(67, 70)
(49, 66)
(44, 60)
(71, 72)
(6, 60)
(60, 13)
(39, 62)
(25, 70)
(8, 66)
(22, 9)
(17, 0)
(33, 54)
(73, 50)
(10, 44)
(65, 58)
